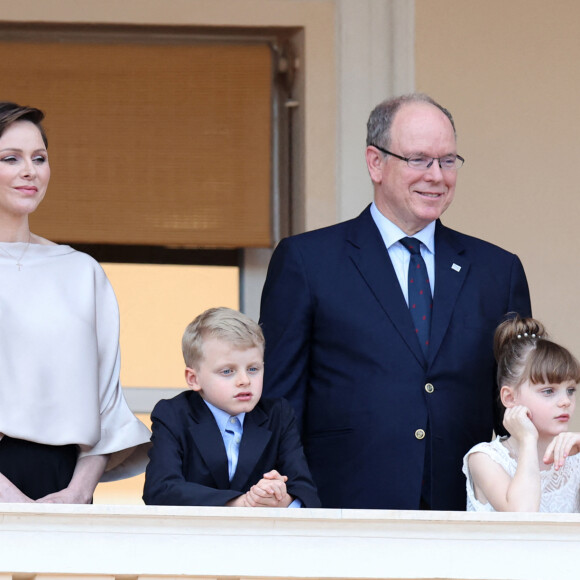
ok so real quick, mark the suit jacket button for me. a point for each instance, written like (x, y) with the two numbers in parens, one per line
(429, 388)
(420, 434)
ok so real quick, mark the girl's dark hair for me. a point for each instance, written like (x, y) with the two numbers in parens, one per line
(524, 353)
(11, 112)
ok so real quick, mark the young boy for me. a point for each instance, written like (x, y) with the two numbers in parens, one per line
(219, 444)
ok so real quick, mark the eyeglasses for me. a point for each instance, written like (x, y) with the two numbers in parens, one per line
(423, 162)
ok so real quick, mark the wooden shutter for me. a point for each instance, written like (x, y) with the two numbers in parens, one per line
(150, 144)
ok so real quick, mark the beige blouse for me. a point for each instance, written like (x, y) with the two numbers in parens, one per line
(59, 357)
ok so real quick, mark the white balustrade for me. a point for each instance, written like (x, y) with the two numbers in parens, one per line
(39, 542)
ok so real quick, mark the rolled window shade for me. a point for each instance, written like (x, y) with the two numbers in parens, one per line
(150, 144)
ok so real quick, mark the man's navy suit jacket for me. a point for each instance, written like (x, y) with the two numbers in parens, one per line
(341, 347)
(188, 461)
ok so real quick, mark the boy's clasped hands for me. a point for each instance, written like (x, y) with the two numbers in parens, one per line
(270, 491)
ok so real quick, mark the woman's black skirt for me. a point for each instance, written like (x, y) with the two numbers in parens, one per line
(36, 469)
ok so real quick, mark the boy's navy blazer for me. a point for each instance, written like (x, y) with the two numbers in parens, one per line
(341, 347)
(188, 462)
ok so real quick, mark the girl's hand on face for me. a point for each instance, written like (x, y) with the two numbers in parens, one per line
(518, 422)
(561, 447)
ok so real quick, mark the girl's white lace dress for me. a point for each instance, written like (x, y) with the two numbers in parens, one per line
(560, 489)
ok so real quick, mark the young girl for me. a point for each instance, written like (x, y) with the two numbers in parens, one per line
(535, 468)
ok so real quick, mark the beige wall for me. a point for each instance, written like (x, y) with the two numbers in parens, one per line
(508, 71)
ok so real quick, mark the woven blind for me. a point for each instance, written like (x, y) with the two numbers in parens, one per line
(150, 144)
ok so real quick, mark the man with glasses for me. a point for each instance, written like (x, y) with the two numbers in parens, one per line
(379, 329)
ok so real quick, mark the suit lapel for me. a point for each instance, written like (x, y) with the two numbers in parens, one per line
(209, 441)
(254, 440)
(451, 269)
(371, 258)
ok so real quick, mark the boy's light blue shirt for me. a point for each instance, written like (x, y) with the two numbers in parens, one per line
(232, 432)
(232, 439)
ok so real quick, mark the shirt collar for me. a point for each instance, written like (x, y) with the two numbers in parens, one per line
(391, 233)
(222, 417)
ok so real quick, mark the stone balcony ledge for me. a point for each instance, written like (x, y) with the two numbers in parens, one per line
(134, 542)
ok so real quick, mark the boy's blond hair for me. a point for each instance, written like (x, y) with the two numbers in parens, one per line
(221, 323)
